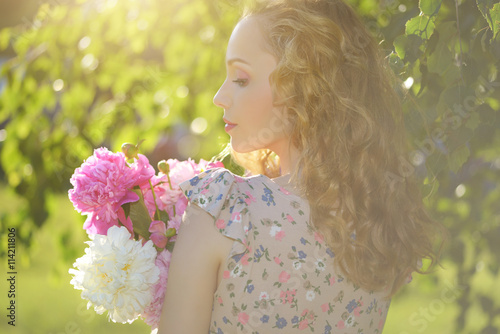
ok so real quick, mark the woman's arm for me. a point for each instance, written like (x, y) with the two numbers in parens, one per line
(192, 280)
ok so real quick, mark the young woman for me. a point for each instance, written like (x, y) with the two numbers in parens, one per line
(322, 235)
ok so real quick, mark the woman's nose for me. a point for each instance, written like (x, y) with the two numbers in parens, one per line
(221, 98)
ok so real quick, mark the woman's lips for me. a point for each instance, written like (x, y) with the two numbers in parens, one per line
(229, 125)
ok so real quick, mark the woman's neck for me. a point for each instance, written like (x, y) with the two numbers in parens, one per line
(288, 159)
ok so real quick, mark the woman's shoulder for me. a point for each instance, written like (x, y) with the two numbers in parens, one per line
(214, 187)
(223, 178)
(213, 178)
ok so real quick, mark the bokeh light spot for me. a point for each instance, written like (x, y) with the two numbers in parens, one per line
(3, 135)
(460, 190)
(199, 125)
(28, 169)
(160, 97)
(207, 34)
(58, 85)
(84, 43)
(408, 83)
(417, 158)
(182, 92)
(89, 62)
(165, 110)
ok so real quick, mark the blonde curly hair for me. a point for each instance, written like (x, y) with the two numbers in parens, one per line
(346, 122)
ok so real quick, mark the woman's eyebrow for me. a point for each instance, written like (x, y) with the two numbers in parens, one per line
(232, 60)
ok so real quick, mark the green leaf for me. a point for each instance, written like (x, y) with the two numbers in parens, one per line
(440, 59)
(484, 6)
(408, 47)
(170, 246)
(491, 12)
(495, 19)
(396, 63)
(430, 7)
(400, 44)
(447, 98)
(140, 216)
(451, 99)
(421, 25)
(458, 157)
(163, 216)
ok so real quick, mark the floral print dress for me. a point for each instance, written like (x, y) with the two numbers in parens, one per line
(279, 276)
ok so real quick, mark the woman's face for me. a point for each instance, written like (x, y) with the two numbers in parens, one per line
(251, 119)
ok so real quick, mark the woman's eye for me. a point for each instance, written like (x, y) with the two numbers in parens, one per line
(241, 82)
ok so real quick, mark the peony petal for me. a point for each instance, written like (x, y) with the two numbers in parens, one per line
(215, 164)
(157, 226)
(126, 221)
(160, 240)
(95, 225)
(142, 170)
(129, 197)
(152, 312)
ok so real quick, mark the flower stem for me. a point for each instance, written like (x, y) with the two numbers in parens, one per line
(154, 199)
(170, 183)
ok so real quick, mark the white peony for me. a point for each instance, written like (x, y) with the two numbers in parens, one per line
(116, 274)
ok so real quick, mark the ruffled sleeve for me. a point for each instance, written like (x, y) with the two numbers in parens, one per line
(216, 191)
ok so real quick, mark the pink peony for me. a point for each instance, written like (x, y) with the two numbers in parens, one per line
(156, 182)
(158, 231)
(180, 171)
(170, 194)
(105, 182)
(100, 186)
(174, 223)
(152, 312)
(142, 170)
(210, 165)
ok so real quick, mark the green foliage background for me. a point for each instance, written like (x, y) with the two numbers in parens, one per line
(101, 72)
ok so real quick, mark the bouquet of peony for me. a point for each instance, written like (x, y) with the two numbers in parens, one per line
(132, 220)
